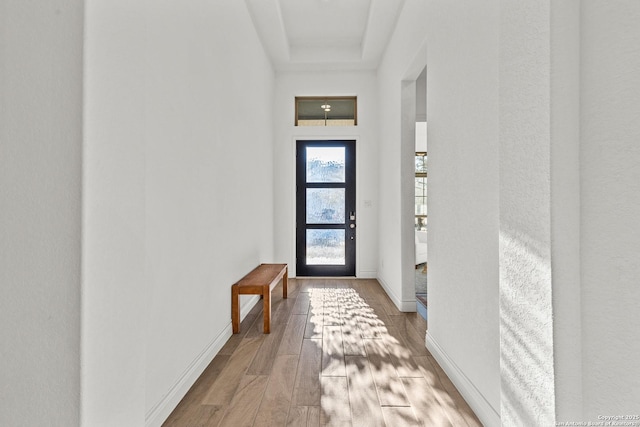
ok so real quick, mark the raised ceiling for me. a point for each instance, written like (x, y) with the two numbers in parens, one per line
(325, 34)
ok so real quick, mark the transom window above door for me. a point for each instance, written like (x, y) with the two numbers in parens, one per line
(326, 111)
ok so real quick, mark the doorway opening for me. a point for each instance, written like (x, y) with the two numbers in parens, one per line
(420, 212)
(421, 219)
(325, 208)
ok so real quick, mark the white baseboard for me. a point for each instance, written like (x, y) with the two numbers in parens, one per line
(409, 306)
(161, 410)
(483, 409)
(404, 306)
(363, 274)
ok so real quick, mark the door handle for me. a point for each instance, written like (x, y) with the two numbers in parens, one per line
(352, 226)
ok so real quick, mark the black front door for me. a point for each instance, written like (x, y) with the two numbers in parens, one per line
(325, 208)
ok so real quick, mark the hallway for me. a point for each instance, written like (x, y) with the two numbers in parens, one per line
(349, 344)
(148, 162)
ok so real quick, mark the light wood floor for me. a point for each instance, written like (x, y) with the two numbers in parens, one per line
(339, 354)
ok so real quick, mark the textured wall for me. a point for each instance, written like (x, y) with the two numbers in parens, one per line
(610, 187)
(565, 207)
(40, 208)
(462, 116)
(526, 328)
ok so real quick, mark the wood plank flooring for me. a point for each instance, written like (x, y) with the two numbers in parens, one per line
(339, 354)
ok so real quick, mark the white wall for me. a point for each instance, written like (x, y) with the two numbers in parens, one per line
(331, 83)
(565, 207)
(610, 196)
(209, 179)
(40, 208)
(421, 97)
(403, 60)
(179, 175)
(463, 135)
(526, 312)
(114, 295)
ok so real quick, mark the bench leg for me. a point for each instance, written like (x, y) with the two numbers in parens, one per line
(266, 293)
(235, 309)
(284, 283)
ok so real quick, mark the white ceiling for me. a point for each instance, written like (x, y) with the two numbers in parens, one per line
(325, 34)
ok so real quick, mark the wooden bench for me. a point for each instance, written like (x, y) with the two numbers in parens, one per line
(260, 281)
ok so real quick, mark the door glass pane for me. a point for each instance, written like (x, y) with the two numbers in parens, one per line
(325, 206)
(325, 247)
(421, 186)
(325, 164)
(421, 195)
(421, 205)
(421, 163)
